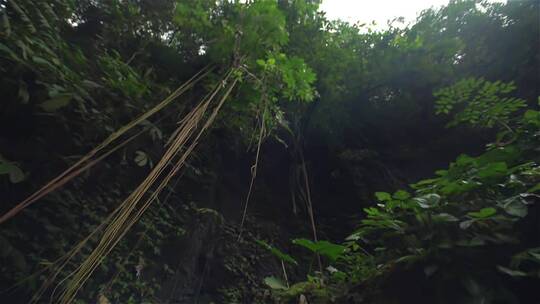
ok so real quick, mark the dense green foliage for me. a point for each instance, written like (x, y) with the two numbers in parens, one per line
(364, 116)
(460, 228)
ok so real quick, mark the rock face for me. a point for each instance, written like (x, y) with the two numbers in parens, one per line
(190, 257)
(211, 265)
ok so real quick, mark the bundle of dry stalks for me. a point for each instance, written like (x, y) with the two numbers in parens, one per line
(183, 141)
(91, 158)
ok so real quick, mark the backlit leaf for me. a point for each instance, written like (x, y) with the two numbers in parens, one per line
(274, 283)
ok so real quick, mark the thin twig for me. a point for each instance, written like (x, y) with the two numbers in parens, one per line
(253, 171)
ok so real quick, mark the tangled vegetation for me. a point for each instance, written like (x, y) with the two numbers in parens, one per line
(179, 151)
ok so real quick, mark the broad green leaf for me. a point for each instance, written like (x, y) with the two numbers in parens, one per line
(483, 213)
(464, 160)
(441, 172)
(325, 248)
(515, 206)
(306, 244)
(458, 187)
(274, 283)
(424, 183)
(372, 212)
(493, 170)
(278, 253)
(383, 196)
(330, 250)
(428, 201)
(401, 195)
(532, 117)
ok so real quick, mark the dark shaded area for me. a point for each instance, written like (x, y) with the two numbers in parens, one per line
(73, 72)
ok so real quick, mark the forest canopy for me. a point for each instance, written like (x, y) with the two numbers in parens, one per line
(181, 151)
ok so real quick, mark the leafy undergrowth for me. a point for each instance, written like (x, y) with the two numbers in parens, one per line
(468, 235)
